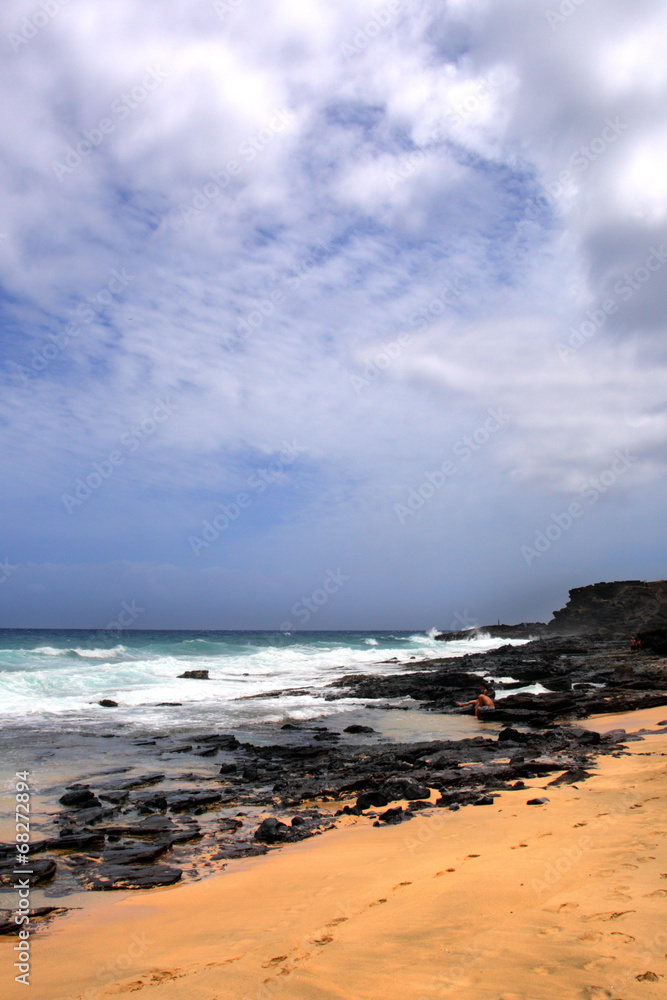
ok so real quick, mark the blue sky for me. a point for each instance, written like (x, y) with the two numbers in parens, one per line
(366, 289)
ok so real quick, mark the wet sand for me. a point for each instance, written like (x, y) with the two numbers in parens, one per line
(502, 902)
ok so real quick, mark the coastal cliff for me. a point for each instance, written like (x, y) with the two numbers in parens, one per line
(613, 610)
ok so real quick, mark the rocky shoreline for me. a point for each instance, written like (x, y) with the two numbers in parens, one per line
(130, 828)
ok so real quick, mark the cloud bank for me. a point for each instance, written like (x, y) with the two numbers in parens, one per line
(385, 238)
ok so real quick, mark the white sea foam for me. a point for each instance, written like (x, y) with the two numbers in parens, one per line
(245, 674)
(536, 688)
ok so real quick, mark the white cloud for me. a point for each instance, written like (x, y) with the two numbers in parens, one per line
(460, 148)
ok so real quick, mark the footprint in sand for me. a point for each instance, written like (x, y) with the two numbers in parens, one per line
(599, 962)
(516, 847)
(617, 893)
(377, 902)
(657, 892)
(274, 961)
(473, 856)
(614, 915)
(581, 824)
(568, 906)
(609, 872)
(623, 938)
(337, 920)
(649, 857)
(157, 976)
(398, 886)
(596, 993)
(325, 939)
(437, 874)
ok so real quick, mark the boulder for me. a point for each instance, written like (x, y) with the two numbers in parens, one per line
(588, 738)
(80, 799)
(272, 831)
(510, 735)
(404, 788)
(196, 675)
(570, 776)
(393, 816)
(368, 800)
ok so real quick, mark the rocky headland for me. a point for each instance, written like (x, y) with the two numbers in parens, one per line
(130, 828)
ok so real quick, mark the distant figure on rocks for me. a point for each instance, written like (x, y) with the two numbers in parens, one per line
(635, 643)
(481, 701)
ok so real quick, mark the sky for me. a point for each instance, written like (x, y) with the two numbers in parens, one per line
(329, 315)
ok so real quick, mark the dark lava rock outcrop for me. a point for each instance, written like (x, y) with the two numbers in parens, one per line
(612, 609)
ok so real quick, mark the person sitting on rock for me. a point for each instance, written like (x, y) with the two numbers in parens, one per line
(481, 701)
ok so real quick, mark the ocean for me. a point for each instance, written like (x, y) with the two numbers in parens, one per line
(55, 679)
(52, 725)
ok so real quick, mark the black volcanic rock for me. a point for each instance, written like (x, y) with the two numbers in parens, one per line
(524, 630)
(368, 800)
(196, 675)
(131, 876)
(38, 871)
(654, 640)
(570, 776)
(75, 842)
(271, 831)
(510, 735)
(622, 608)
(82, 798)
(135, 854)
(393, 816)
(404, 788)
(613, 609)
(41, 914)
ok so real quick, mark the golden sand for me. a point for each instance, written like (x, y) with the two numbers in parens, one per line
(502, 902)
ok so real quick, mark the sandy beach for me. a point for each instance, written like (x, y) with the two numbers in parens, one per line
(503, 902)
